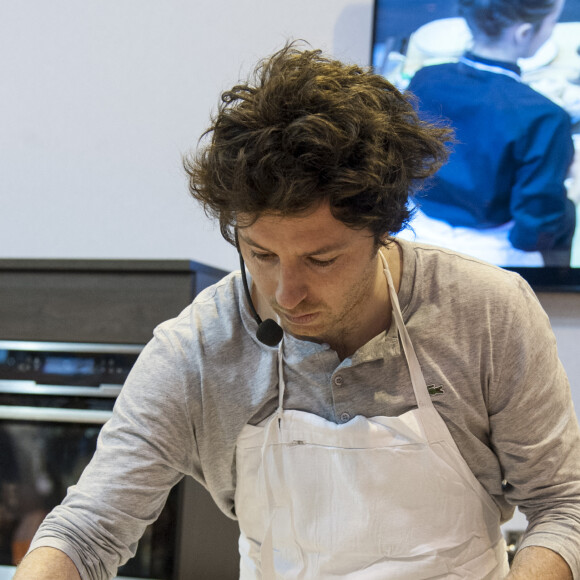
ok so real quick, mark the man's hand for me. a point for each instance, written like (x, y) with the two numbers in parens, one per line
(47, 564)
(536, 563)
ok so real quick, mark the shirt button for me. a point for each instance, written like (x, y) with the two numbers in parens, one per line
(338, 380)
(345, 417)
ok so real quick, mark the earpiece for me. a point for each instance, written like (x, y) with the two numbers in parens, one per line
(269, 331)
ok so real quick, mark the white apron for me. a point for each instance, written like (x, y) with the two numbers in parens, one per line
(377, 498)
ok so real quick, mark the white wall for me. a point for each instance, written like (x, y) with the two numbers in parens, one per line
(99, 99)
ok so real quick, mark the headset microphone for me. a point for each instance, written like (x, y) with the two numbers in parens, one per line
(269, 331)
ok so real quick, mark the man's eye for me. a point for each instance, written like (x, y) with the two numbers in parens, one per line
(262, 257)
(322, 263)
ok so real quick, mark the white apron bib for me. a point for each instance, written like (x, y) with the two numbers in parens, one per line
(377, 498)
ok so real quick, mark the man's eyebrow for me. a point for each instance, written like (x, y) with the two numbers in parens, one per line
(327, 249)
(318, 251)
(251, 242)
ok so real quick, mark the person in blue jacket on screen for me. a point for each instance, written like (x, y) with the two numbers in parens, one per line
(502, 195)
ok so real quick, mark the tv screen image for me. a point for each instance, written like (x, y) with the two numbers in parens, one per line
(510, 193)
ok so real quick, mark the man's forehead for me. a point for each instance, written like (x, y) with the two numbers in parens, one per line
(315, 248)
(246, 219)
(307, 233)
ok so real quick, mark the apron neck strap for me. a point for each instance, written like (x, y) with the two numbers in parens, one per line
(417, 379)
(281, 382)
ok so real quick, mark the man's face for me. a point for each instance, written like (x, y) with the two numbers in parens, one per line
(322, 278)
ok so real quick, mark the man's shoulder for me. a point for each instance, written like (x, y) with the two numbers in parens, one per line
(454, 292)
(223, 291)
(443, 270)
(214, 316)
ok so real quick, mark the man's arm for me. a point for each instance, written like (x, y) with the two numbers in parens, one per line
(47, 564)
(535, 435)
(536, 563)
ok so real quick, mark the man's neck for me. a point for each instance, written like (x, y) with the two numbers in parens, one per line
(378, 317)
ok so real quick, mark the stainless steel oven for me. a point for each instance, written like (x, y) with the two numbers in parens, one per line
(54, 398)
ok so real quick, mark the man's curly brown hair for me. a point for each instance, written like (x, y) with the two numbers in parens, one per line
(307, 129)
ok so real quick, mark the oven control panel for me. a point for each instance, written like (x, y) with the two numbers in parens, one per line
(44, 364)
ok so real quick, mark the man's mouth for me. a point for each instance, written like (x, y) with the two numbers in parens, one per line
(299, 319)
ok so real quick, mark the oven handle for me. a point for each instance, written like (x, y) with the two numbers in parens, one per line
(21, 413)
(18, 387)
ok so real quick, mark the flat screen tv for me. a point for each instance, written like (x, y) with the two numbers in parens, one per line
(409, 35)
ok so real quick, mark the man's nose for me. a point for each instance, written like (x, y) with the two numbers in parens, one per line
(291, 288)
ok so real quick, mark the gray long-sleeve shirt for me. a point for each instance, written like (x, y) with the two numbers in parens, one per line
(479, 333)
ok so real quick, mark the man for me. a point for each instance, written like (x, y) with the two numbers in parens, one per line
(415, 397)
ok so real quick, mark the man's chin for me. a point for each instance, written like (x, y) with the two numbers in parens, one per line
(302, 332)
(306, 337)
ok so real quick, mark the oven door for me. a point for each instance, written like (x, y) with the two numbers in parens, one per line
(44, 451)
(48, 434)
